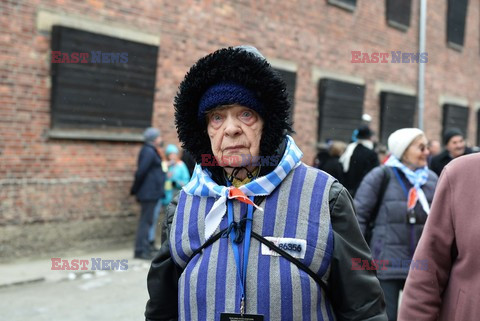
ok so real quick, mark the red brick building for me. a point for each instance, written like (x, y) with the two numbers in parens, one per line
(70, 133)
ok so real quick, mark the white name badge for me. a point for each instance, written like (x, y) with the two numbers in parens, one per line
(294, 247)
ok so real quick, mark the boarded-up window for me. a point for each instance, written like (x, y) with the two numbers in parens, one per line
(112, 90)
(455, 116)
(290, 79)
(457, 11)
(398, 13)
(340, 109)
(396, 111)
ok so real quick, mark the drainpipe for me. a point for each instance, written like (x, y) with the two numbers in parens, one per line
(421, 66)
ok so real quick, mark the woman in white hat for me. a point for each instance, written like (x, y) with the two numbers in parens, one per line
(392, 203)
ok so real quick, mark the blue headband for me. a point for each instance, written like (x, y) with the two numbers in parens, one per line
(228, 93)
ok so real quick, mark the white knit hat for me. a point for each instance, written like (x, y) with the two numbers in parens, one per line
(400, 139)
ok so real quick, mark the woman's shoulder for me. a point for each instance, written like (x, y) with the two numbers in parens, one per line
(432, 175)
(377, 173)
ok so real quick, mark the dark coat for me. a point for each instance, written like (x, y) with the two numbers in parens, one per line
(392, 234)
(363, 160)
(149, 178)
(332, 166)
(438, 162)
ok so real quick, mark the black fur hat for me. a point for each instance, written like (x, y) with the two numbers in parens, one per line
(241, 65)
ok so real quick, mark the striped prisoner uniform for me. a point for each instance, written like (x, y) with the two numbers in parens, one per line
(298, 208)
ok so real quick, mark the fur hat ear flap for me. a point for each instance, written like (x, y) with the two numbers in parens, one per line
(261, 86)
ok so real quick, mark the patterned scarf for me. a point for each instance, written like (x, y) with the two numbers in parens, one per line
(417, 178)
(202, 184)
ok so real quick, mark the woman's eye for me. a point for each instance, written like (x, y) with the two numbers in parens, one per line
(216, 118)
(246, 114)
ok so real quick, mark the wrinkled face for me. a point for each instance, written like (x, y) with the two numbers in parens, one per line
(415, 156)
(235, 133)
(456, 146)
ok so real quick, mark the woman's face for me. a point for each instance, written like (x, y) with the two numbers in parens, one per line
(173, 157)
(415, 156)
(235, 133)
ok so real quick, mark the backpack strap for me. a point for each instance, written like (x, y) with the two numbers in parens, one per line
(257, 200)
(270, 245)
(383, 187)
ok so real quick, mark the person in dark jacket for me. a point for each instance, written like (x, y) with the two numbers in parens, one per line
(331, 164)
(148, 187)
(234, 106)
(358, 159)
(454, 147)
(403, 208)
(322, 154)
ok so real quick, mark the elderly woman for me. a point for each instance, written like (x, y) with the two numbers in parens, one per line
(394, 201)
(256, 234)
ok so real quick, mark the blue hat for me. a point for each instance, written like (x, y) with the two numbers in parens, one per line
(171, 149)
(228, 93)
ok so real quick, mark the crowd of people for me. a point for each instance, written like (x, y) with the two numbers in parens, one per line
(248, 241)
(393, 191)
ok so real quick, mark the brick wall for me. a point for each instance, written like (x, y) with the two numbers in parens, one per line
(45, 181)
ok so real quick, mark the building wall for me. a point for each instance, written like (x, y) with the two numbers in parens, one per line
(47, 184)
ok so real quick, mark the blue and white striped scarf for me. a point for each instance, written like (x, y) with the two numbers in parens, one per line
(417, 178)
(202, 184)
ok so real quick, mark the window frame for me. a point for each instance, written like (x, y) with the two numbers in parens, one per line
(343, 4)
(393, 23)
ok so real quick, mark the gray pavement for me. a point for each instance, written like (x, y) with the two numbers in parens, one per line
(33, 291)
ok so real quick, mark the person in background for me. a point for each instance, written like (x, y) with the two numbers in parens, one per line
(454, 143)
(366, 120)
(177, 177)
(148, 187)
(322, 154)
(358, 159)
(159, 208)
(332, 164)
(435, 148)
(382, 152)
(403, 204)
(449, 288)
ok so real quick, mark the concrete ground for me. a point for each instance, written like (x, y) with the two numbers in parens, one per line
(33, 291)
